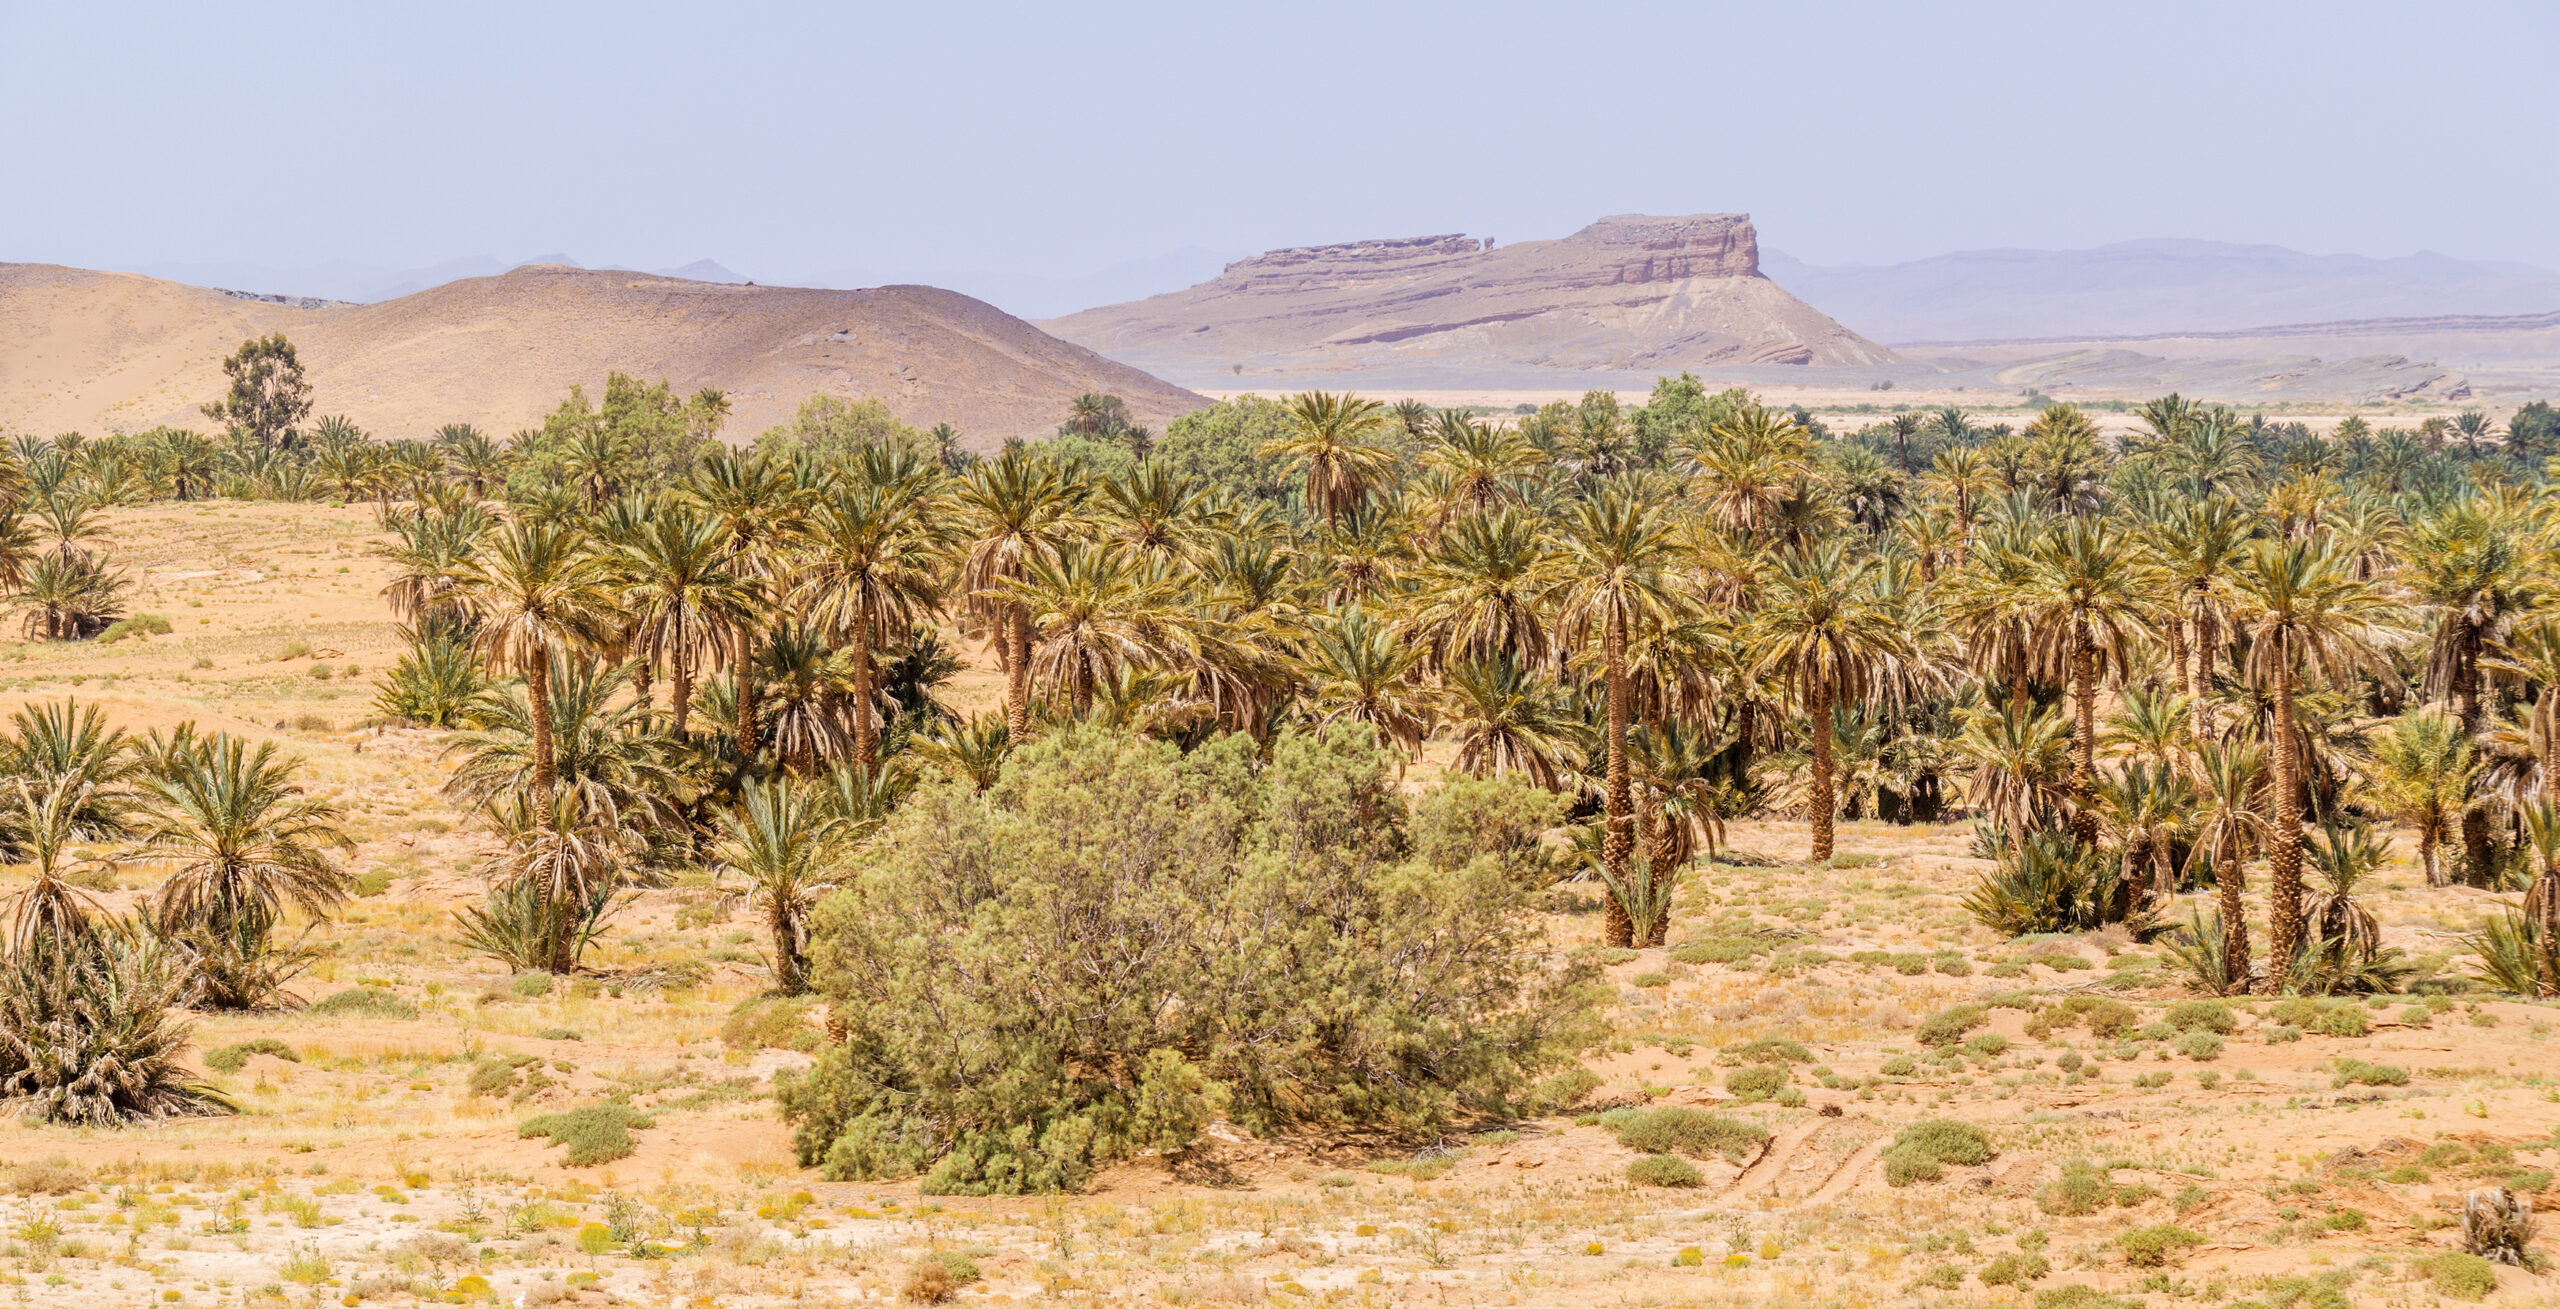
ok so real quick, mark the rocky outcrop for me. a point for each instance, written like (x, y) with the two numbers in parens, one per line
(1629, 292)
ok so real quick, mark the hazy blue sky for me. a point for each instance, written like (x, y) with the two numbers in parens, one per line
(787, 140)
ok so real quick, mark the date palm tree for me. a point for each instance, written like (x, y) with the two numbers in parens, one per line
(2197, 544)
(246, 841)
(756, 500)
(1830, 631)
(1097, 608)
(2086, 598)
(1506, 719)
(872, 568)
(1484, 464)
(1478, 590)
(2472, 570)
(2422, 770)
(780, 840)
(1360, 667)
(1615, 584)
(680, 587)
(1335, 437)
(2309, 620)
(2231, 780)
(1016, 510)
(539, 596)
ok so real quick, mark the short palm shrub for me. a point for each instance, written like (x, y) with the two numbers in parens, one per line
(88, 1035)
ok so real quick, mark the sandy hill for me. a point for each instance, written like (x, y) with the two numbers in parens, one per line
(1630, 293)
(101, 351)
(2153, 287)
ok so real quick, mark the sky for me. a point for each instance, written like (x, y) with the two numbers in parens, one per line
(792, 142)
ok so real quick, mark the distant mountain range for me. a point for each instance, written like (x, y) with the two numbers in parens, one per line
(2135, 288)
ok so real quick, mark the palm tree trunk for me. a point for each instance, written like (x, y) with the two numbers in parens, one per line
(745, 726)
(1618, 839)
(2429, 858)
(2084, 737)
(680, 670)
(2230, 883)
(537, 691)
(2199, 716)
(1017, 673)
(2466, 708)
(2284, 854)
(788, 975)
(866, 737)
(1823, 801)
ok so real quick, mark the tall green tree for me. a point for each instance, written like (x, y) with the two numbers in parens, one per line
(1830, 630)
(268, 398)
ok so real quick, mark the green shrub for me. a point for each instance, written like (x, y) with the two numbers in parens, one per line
(2462, 1276)
(767, 1022)
(597, 1134)
(1696, 1133)
(2014, 1270)
(2213, 1016)
(2081, 1190)
(232, 1058)
(1757, 1082)
(2357, 1072)
(2342, 1020)
(1769, 1050)
(2200, 1045)
(530, 985)
(366, 1002)
(1559, 1091)
(1503, 818)
(2345, 1220)
(1948, 1026)
(371, 882)
(2105, 1018)
(1898, 1065)
(141, 625)
(1943, 1277)
(556, 1034)
(1103, 904)
(2156, 1246)
(2082, 1297)
(1989, 1045)
(1649, 981)
(1919, 1149)
(1718, 950)
(1665, 1170)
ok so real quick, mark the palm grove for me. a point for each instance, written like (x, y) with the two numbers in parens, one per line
(2163, 665)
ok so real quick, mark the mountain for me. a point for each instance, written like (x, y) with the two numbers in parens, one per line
(2136, 288)
(93, 351)
(1042, 295)
(1631, 293)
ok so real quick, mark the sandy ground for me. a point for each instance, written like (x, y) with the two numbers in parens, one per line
(368, 1169)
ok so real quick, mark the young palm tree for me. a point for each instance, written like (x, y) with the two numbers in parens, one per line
(1097, 609)
(1017, 509)
(685, 597)
(2148, 807)
(2308, 620)
(2340, 927)
(50, 912)
(871, 569)
(2230, 780)
(539, 596)
(2472, 569)
(2422, 771)
(2197, 543)
(431, 550)
(781, 841)
(756, 500)
(2021, 761)
(2148, 725)
(2085, 599)
(1614, 584)
(1477, 592)
(246, 841)
(1360, 668)
(1507, 720)
(1829, 631)
(1484, 464)
(1334, 436)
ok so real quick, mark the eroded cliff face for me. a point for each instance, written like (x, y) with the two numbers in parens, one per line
(1627, 292)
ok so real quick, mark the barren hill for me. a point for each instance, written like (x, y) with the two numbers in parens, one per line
(103, 351)
(1628, 293)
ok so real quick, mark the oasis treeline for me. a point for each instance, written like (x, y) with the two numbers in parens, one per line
(2184, 679)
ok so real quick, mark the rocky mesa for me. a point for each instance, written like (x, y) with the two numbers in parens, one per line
(93, 351)
(1628, 293)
